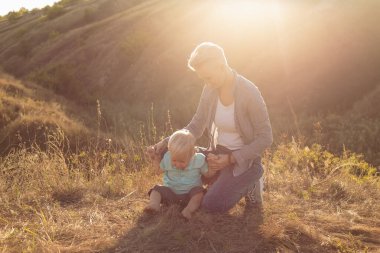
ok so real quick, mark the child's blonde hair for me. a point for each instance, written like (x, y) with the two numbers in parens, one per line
(182, 144)
(206, 52)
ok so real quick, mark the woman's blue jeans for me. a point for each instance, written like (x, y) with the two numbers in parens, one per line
(227, 190)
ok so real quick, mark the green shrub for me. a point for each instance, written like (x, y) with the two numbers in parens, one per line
(68, 2)
(358, 129)
(317, 162)
(337, 132)
(35, 11)
(13, 16)
(65, 80)
(54, 11)
(57, 78)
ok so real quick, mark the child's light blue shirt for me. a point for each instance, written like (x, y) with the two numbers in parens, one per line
(182, 181)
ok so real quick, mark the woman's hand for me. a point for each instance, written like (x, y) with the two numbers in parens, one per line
(150, 153)
(217, 162)
(155, 151)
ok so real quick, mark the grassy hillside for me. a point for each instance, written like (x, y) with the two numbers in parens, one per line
(30, 114)
(357, 129)
(321, 55)
(56, 199)
(313, 61)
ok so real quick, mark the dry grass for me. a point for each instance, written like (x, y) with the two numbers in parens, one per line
(50, 204)
(52, 200)
(28, 113)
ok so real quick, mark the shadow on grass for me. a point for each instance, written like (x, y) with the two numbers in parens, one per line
(167, 231)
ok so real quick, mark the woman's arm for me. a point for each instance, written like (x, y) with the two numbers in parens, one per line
(259, 119)
(209, 173)
(156, 166)
(196, 126)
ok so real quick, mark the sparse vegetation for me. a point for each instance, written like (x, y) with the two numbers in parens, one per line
(54, 11)
(27, 115)
(35, 11)
(69, 2)
(357, 129)
(63, 80)
(13, 16)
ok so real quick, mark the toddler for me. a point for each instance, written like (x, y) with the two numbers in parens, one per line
(182, 168)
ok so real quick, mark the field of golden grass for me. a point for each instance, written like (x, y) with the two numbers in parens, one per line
(52, 201)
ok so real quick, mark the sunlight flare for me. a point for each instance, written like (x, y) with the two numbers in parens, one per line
(238, 10)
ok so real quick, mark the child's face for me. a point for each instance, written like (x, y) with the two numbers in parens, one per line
(180, 162)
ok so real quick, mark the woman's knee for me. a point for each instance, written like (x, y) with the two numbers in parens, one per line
(214, 204)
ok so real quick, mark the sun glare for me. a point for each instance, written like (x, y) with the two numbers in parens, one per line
(237, 10)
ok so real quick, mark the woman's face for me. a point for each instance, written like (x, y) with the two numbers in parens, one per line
(212, 74)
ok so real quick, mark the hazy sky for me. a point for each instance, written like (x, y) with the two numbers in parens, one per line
(14, 5)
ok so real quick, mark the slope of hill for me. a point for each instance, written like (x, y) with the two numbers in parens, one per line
(310, 58)
(30, 114)
(357, 129)
(321, 55)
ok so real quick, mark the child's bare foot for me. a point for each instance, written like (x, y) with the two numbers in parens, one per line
(152, 208)
(186, 213)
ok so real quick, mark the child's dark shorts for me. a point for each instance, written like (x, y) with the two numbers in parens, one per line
(168, 197)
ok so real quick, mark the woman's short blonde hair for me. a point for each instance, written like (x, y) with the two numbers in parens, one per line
(206, 52)
(182, 144)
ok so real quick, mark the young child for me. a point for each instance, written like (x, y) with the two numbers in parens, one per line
(182, 169)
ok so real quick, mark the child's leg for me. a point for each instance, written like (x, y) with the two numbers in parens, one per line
(193, 205)
(160, 194)
(154, 201)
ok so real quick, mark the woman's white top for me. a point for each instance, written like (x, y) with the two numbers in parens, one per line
(226, 133)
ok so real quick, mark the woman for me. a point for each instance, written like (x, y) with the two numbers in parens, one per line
(232, 111)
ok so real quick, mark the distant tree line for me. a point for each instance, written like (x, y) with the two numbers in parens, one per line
(51, 12)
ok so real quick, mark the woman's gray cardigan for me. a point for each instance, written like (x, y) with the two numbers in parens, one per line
(251, 120)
